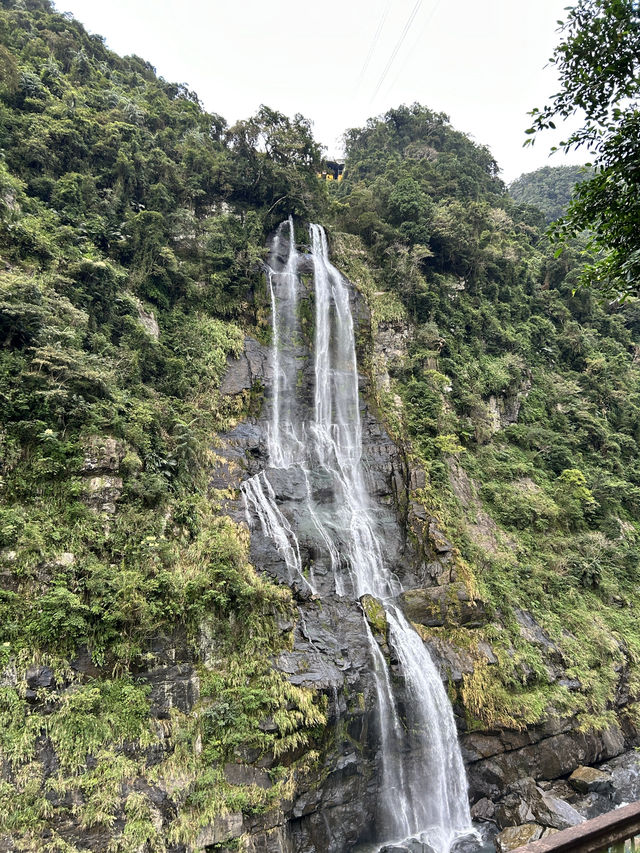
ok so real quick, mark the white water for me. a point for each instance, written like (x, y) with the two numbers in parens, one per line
(422, 789)
(284, 444)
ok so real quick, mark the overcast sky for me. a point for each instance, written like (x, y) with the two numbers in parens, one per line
(480, 61)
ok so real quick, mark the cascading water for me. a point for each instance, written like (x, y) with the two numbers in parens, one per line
(422, 789)
(283, 442)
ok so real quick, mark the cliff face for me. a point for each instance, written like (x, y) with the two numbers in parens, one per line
(161, 687)
(307, 782)
(332, 807)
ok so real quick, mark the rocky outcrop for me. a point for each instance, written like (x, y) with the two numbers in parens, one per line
(250, 368)
(332, 807)
(546, 752)
(100, 467)
(588, 779)
(448, 604)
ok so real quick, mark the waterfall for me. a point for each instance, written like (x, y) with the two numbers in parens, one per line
(284, 444)
(422, 790)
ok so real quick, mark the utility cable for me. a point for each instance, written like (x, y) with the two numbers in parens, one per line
(399, 44)
(374, 42)
(434, 9)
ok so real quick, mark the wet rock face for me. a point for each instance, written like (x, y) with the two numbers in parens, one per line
(333, 808)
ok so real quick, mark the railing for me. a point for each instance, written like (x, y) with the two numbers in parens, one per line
(615, 831)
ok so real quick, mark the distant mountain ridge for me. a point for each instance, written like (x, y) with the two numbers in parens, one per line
(549, 188)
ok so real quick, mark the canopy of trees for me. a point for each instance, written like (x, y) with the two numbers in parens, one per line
(550, 188)
(598, 61)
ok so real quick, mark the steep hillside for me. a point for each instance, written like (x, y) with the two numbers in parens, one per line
(132, 229)
(163, 687)
(549, 188)
(519, 400)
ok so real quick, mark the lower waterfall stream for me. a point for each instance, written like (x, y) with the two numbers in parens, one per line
(422, 790)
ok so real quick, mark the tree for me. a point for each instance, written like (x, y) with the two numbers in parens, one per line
(598, 61)
(549, 189)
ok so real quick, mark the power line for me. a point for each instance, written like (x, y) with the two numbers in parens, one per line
(399, 44)
(434, 9)
(374, 42)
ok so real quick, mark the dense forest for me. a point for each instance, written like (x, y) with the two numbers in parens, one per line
(522, 382)
(133, 227)
(550, 188)
(132, 230)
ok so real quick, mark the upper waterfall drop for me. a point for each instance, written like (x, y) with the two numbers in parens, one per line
(316, 444)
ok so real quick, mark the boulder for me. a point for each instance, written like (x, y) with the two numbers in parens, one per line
(588, 779)
(513, 811)
(484, 809)
(528, 803)
(516, 836)
(555, 813)
(449, 604)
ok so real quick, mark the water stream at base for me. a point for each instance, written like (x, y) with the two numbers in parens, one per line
(422, 791)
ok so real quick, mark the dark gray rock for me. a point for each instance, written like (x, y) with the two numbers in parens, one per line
(513, 811)
(555, 813)
(224, 828)
(172, 687)
(625, 776)
(39, 677)
(244, 774)
(452, 662)
(533, 633)
(251, 367)
(544, 758)
(484, 809)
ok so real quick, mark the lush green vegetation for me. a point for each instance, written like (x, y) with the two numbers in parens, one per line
(550, 188)
(132, 229)
(132, 226)
(599, 72)
(521, 399)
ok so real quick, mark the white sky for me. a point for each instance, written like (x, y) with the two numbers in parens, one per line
(480, 61)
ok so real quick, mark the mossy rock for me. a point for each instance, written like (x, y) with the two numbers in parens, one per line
(376, 617)
(448, 604)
